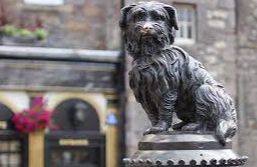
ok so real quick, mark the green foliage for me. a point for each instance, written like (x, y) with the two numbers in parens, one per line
(24, 33)
(8, 30)
(41, 33)
(11, 30)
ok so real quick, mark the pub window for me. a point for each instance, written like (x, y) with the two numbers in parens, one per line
(187, 24)
(44, 2)
(13, 146)
(10, 153)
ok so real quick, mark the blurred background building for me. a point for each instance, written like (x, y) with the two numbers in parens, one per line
(70, 52)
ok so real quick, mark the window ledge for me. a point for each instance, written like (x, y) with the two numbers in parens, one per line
(44, 2)
(184, 42)
(35, 7)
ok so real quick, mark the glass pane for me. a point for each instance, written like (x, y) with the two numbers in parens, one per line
(189, 32)
(189, 15)
(179, 15)
(178, 33)
(66, 156)
(9, 153)
(3, 146)
(182, 32)
(14, 146)
(88, 157)
(183, 15)
(14, 159)
(56, 159)
(3, 160)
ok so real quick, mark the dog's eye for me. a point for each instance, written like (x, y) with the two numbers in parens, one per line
(158, 17)
(138, 16)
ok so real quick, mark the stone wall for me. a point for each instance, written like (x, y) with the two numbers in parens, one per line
(247, 78)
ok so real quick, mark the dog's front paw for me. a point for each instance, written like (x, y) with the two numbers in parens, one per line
(191, 127)
(221, 139)
(178, 126)
(160, 127)
(231, 132)
(225, 129)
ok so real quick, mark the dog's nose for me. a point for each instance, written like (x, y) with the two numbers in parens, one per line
(147, 27)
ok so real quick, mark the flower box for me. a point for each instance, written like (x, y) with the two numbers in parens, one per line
(22, 41)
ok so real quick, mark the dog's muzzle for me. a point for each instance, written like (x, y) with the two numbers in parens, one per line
(147, 29)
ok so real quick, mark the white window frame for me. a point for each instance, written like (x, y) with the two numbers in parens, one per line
(184, 40)
(45, 2)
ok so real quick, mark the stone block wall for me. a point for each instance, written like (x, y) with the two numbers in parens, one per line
(76, 24)
(247, 78)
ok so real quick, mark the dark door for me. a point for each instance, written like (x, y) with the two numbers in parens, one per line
(75, 140)
(75, 149)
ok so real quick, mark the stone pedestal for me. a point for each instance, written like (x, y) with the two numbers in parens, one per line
(183, 149)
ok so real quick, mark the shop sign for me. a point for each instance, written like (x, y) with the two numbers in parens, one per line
(73, 142)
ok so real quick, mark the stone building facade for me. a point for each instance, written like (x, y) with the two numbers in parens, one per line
(225, 42)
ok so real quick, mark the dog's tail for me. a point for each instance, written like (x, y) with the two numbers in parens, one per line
(227, 125)
(225, 129)
(215, 104)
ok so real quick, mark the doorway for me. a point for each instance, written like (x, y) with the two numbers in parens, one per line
(75, 140)
(79, 149)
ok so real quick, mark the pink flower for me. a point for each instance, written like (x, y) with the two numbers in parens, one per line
(32, 119)
(38, 101)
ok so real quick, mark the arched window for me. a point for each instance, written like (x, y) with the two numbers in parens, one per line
(13, 147)
(75, 114)
(5, 117)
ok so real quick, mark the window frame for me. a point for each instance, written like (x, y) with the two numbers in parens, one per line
(10, 135)
(44, 2)
(183, 24)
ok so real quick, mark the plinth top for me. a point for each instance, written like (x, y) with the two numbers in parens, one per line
(182, 141)
(183, 149)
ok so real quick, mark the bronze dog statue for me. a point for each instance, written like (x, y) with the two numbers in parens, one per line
(165, 79)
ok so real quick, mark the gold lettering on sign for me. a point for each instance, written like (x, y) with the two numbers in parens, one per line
(73, 142)
(3, 125)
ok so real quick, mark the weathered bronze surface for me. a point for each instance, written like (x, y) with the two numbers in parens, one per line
(166, 80)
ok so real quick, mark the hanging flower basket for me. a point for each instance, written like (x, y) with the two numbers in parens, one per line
(33, 119)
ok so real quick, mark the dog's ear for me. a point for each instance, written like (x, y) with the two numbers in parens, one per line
(123, 16)
(173, 16)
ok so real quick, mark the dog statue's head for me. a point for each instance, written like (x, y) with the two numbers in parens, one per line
(148, 27)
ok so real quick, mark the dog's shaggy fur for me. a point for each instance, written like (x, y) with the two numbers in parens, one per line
(165, 79)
